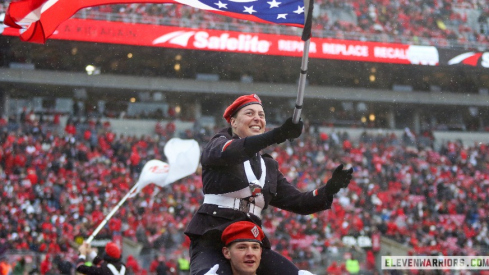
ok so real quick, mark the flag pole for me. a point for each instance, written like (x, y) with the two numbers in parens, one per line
(306, 37)
(107, 218)
(302, 83)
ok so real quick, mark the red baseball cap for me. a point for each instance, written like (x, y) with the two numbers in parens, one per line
(239, 103)
(242, 232)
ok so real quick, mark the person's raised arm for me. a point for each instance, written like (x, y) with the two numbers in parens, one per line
(288, 130)
(222, 150)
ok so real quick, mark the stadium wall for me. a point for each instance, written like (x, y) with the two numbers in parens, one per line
(114, 83)
(139, 127)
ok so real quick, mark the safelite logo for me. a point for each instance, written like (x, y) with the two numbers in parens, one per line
(225, 42)
(471, 59)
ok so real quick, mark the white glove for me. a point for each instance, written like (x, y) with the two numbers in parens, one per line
(305, 272)
(213, 270)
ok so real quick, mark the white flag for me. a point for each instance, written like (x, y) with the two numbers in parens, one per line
(183, 159)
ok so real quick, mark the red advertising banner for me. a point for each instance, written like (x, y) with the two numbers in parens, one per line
(238, 42)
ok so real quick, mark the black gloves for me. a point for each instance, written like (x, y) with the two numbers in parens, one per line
(288, 130)
(340, 179)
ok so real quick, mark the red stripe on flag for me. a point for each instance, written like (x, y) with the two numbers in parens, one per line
(34, 33)
(18, 10)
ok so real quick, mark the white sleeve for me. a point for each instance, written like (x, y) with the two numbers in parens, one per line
(92, 255)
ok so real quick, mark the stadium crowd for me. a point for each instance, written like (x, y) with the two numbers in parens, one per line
(59, 181)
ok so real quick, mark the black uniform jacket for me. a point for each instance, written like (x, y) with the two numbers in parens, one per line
(223, 172)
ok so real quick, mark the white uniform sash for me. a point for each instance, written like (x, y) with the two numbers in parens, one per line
(259, 200)
(114, 271)
(232, 199)
(251, 176)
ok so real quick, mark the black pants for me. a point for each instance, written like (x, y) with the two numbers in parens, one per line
(206, 251)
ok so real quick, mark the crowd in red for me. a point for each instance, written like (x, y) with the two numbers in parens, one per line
(56, 187)
(433, 22)
(437, 20)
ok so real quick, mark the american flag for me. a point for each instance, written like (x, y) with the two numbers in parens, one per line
(40, 18)
(285, 12)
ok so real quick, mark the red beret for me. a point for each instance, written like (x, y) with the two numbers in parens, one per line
(242, 232)
(239, 103)
(112, 250)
